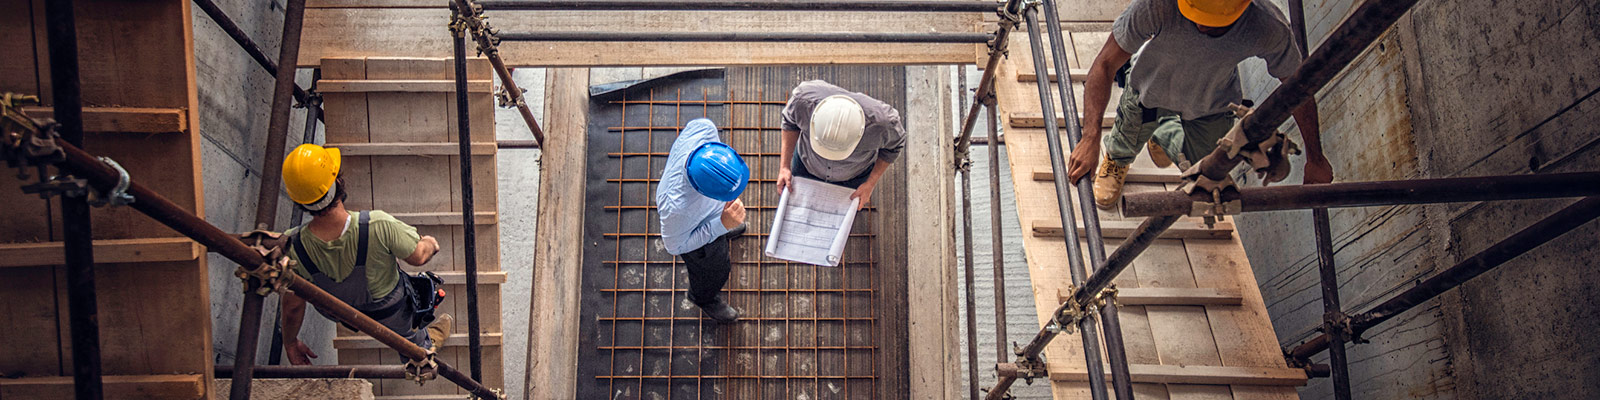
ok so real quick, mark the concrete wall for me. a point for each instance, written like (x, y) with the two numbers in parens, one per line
(235, 100)
(1466, 88)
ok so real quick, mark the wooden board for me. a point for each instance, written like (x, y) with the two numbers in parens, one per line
(1183, 229)
(1078, 75)
(108, 251)
(400, 85)
(420, 32)
(152, 387)
(1183, 334)
(137, 74)
(1140, 296)
(124, 119)
(1191, 374)
(552, 361)
(1036, 119)
(394, 121)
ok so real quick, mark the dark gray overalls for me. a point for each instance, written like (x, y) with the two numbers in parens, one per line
(393, 311)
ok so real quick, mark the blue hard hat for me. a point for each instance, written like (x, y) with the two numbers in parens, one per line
(716, 171)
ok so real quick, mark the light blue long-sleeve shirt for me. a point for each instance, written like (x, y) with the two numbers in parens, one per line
(689, 219)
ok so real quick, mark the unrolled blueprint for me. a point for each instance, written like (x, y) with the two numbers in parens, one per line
(813, 222)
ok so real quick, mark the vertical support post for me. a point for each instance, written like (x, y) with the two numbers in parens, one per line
(267, 197)
(1091, 334)
(469, 226)
(62, 27)
(972, 312)
(1116, 351)
(997, 235)
(313, 103)
(1333, 317)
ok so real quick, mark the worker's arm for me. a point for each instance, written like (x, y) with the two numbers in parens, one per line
(682, 233)
(1318, 170)
(786, 157)
(426, 248)
(1096, 94)
(864, 192)
(293, 311)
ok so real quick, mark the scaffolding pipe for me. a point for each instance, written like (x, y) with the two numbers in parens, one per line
(1573, 216)
(294, 13)
(320, 372)
(313, 114)
(971, 296)
(1332, 313)
(808, 37)
(736, 5)
(1377, 193)
(997, 241)
(250, 47)
(1349, 40)
(100, 176)
(469, 237)
(985, 91)
(488, 47)
(77, 231)
(1091, 340)
(1116, 351)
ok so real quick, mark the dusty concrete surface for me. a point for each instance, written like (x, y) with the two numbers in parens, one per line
(297, 389)
(235, 99)
(1480, 87)
(518, 182)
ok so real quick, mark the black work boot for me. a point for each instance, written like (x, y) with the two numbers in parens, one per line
(720, 311)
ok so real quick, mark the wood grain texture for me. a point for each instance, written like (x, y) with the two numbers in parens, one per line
(105, 251)
(1137, 296)
(552, 361)
(400, 85)
(1191, 375)
(115, 386)
(1121, 229)
(1036, 120)
(124, 119)
(420, 32)
(1135, 175)
(412, 149)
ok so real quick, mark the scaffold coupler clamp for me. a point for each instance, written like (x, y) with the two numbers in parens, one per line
(272, 274)
(1269, 158)
(118, 195)
(499, 394)
(1220, 197)
(421, 371)
(26, 141)
(1026, 368)
(505, 99)
(1338, 320)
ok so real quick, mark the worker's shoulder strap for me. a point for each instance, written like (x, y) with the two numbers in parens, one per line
(300, 252)
(362, 230)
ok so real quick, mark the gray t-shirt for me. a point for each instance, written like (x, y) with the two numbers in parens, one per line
(1194, 74)
(882, 140)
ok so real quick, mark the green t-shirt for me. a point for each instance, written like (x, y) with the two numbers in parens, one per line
(389, 240)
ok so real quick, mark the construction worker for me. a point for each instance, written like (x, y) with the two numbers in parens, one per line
(698, 201)
(850, 139)
(353, 258)
(1180, 87)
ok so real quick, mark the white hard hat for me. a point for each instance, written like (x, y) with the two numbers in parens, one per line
(836, 126)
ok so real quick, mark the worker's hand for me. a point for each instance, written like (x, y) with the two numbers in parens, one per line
(1317, 169)
(864, 192)
(1084, 159)
(299, 353)
(733, 214)
(784, 176)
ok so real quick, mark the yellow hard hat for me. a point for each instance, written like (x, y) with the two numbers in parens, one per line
(309, 172)
(1213, 13)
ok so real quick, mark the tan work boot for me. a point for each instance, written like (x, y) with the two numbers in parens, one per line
(1158, 154)
(439, 331)
(1108, 183)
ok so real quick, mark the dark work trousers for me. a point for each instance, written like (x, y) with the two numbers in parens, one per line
(798, 169)
(708, 268)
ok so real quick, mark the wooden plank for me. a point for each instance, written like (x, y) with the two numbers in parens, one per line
(552, 361)
(445, 218)
(411, 149)
(1078, 75)
(1135, 175)
(400, 85)
(1137, 296)
(105, 251)
(458, 339)
(124, 119)
(1183, 229)
(1036, 120)
(1189, 374)
(460, 278)
(115, 386)
(355, 32)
